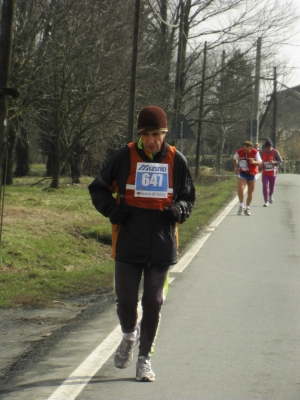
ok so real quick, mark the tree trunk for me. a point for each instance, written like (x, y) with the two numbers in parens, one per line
(75, 166)
(22, 154)
(50, 160)
(219, 151)
(218, 161)
(10, 154)
(56, 175)
(56, 170)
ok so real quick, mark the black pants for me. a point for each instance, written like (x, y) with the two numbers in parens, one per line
(127, 281)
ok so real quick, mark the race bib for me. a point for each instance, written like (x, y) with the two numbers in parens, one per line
(151, 180)
(243, 165)
(268, 166)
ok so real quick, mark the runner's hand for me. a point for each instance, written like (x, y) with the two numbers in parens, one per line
(172, 213)
(118, 215)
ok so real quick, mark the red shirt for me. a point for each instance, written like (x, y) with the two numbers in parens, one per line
(269, 168)
(244, 164)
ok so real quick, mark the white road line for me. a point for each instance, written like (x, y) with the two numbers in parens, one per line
(190, 254)
(223, 213)
(75, 383)
(79, 378)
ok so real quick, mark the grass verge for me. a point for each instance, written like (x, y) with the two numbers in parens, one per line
(56, 245)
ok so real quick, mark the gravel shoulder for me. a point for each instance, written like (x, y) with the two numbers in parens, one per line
(27, 333)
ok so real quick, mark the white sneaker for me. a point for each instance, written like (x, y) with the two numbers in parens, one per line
(240, 210)
(143, 370)
(266, 204)
(271, 198)
(247, 211)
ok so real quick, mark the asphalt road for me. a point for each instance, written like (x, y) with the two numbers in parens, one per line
(230, 326)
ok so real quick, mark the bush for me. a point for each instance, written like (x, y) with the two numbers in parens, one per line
(292, 167)
(208, 161)
(191, 160)
(228, 164)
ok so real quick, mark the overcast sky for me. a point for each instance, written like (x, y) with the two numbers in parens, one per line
(292, 51)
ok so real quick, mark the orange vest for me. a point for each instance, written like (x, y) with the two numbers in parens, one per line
(133, 194)
(143, 202)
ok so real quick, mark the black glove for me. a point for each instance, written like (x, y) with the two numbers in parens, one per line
(172, 213)
(118, 215)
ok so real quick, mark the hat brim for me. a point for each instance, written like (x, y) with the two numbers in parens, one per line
(152, 128)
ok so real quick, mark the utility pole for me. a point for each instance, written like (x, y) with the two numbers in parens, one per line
(8, 12)
(275, 109)
(200, 114)
(131, 112)
(255, 125)
(177, 96)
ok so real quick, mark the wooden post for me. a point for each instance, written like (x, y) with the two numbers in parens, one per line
(8, 12)
(255, 134)
(200, 115)
(177, 96)
(131, 112)
(274, 138)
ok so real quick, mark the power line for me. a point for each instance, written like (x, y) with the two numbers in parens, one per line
(297, 94)
(289, 44)
(160, 18)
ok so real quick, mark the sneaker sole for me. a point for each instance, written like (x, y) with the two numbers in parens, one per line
(122, 366)
(145, 379)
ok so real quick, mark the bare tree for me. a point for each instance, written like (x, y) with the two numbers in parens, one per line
(226, 25)
(69, 60)
(30, 40)
(72, 65)
(233, 104)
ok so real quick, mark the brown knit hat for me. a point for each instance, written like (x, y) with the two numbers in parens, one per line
(152, 117)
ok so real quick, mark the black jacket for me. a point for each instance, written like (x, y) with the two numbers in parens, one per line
(145, 235)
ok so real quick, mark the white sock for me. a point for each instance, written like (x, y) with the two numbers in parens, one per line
(247, 207)
(130, 335)
(241, 204)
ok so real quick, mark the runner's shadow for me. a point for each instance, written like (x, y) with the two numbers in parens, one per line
(58, 382)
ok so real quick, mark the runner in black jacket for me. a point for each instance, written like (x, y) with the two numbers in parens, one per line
(154, 192)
